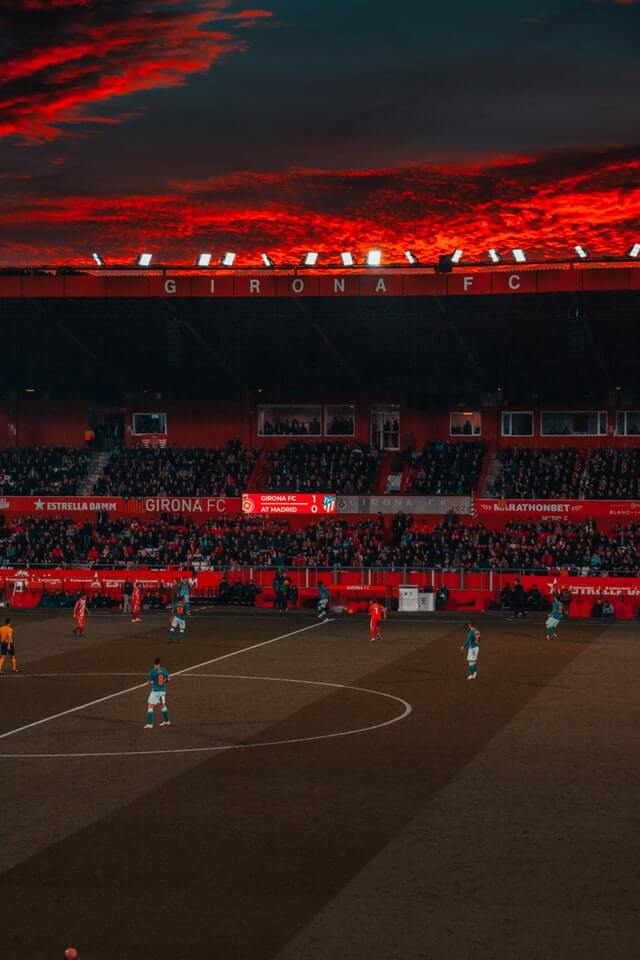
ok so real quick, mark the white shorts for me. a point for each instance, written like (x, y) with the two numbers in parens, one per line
(178, 622)
(551, 623)
(472, 654)
(157, 697)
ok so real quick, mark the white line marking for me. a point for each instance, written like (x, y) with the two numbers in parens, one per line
(407, 709)
(139, 686)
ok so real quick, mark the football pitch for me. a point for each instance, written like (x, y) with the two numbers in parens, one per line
(319, 797)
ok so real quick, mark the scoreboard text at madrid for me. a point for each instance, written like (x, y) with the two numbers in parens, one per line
(288, 503)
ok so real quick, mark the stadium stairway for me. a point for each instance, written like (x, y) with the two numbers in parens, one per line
(260, 473)
(489, 473)
(96, 468)
(384, 472)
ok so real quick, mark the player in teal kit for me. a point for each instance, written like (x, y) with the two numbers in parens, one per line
(557, 613)
(158, 678)
(179, 614)
(472, 646)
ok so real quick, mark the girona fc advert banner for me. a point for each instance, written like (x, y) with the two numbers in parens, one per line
(289, 503)
(143, 507)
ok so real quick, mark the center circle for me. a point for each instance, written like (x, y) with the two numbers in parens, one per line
(406, 710)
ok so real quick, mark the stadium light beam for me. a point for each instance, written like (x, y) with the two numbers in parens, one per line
(494, 256)
(411, 257)
(204, 260)
(98, 259)
(310, 259)
(144, 260)
(582, 252)
(266, 259)
(374, 258)
(347, 259)
(227, 259)
(634, 251)
(519, 255)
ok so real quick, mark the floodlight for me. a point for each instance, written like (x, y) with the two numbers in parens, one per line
(580, 250)
(494, 256)
(411, 257)
(310, 259)
(266, 259)
(456, 256)
(144, 260)
(374, 258)
(227, 259)
(98, 259)
(347, 259)
(634, 251)
(204, 260)
(519, 255)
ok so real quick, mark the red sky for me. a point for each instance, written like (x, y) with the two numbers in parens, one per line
(187, 125)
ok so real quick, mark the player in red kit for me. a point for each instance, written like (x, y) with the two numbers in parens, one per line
(377, 614)
(80, 615)
(136, 603)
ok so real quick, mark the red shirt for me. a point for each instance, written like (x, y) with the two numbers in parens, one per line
(376, 611)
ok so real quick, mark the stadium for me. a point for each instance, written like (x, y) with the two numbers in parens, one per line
(290, 452)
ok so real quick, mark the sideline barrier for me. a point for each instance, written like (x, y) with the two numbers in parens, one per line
(351, 588)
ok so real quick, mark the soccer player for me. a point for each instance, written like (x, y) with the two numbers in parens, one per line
(472, 646)
(179, 614)
(80, 615)
(136, 603)
(323, 602)
(557, 613)
(158, 678)
(377, 613)
(7, 648)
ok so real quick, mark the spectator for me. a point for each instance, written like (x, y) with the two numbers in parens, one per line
(324, 467)
(42, 471)
(447, 469)
(568, 473)
(179, 472)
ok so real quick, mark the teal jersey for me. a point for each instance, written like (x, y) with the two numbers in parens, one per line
(324, 593)
(159, 677)
(180, 609)
(557, 610)
(184, 591)
(473, 636)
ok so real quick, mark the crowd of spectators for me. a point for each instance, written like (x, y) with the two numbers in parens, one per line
(324, 467)
(291, 428)
(177, 472)
(568, 473)
(42, 471)
(341, 427)
(539, 547)
(120, 543)
(446, 469)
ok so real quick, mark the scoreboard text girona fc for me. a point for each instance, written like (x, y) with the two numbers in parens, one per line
(289, 503)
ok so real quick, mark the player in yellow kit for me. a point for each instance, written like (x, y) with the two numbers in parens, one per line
(7, 648)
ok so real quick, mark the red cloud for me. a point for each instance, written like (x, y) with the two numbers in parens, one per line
(545, 206)
(91, 57)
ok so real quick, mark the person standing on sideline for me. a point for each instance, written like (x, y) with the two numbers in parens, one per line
(7, 648)
(158, 678)
(519, 601)
(127, 590)
(472, 646)
(554, 618)
(136, 603)
(80, 615)
(323, 602)
(377, 613)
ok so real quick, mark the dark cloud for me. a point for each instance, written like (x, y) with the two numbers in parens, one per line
(86, 55)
